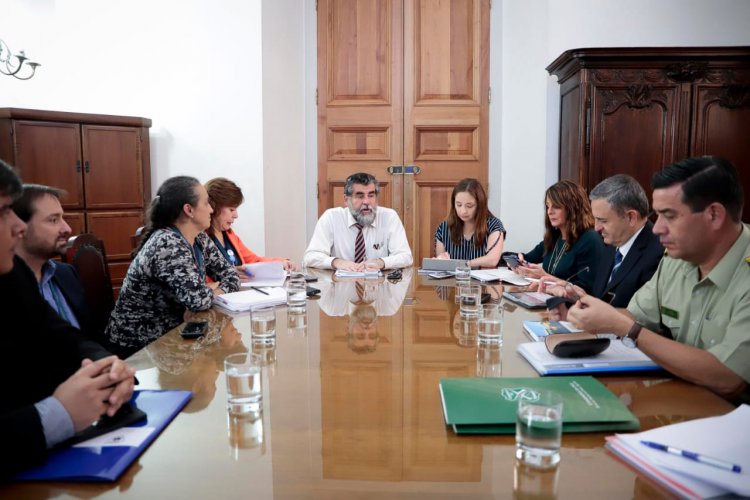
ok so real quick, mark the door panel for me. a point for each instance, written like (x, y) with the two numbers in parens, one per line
(446, 86)
(359, 95)
(57, 164)
(634, 132)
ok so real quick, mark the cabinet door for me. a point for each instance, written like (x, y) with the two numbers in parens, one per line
(115, 230)
(50, 153)
(113, 169)
(634, 130)
(722, 121)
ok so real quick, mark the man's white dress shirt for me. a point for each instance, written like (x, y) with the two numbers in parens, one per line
(335, 235)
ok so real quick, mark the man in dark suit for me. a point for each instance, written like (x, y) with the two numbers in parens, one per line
(633, 251)
(45, 237)
(56, 382)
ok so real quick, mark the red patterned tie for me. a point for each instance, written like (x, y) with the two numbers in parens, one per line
(359, 245)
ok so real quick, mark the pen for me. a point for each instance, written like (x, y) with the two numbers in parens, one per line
(258, 290)
(697, 457)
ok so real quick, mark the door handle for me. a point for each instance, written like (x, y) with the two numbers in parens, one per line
(395, 169)
(87, 168)
(78, 166)
(412, 169)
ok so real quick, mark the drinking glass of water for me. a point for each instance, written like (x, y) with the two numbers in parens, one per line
(463, 274)
(539, 428)
(244, 385)
(296, 294)
(471, 299)
(263, 325)
(490, 324)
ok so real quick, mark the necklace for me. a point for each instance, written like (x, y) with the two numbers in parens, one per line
(555, 259)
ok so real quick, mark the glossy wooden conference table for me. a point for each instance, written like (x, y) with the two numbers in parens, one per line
(352, 410)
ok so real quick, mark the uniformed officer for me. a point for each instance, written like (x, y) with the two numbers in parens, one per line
(693, 316)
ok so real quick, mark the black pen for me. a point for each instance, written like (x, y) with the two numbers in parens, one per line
(258, 290)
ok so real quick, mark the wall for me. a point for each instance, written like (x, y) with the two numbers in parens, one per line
(190, 67)
(527, 36)
(231, 95)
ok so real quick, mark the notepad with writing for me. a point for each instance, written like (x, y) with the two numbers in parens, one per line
(106, 457)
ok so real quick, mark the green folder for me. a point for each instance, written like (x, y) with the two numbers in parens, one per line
(488, 405)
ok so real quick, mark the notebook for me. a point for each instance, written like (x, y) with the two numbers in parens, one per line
(616, 358)
(105, 458)
(499, 274)
(247, 299)
(488, 405)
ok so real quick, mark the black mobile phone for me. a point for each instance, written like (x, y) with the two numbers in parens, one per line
(486, 297)
(512, 261)
(310, 278)
(194, 329)
(312, 291)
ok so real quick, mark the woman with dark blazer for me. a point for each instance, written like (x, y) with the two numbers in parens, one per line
(571, 248)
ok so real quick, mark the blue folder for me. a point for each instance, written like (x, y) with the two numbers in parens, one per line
(109, 462)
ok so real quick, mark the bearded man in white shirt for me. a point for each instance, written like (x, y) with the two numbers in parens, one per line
(361, 235)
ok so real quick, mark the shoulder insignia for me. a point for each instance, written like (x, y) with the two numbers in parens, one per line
(747, 259)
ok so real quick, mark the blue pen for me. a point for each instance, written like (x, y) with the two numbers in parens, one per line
(697, 457)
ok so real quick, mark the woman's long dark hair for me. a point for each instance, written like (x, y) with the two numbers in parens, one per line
(166, 206)
(578, 217)
(456, 225)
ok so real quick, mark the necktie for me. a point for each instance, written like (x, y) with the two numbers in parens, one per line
(618, 261)
(360, 291)
(359, 245)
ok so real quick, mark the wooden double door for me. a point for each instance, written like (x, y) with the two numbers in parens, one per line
(403, 94)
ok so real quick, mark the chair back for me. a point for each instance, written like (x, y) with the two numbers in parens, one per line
(135, 239)
(86, 253)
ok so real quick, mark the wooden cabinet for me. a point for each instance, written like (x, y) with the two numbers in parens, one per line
(101, 161)
(634, 110)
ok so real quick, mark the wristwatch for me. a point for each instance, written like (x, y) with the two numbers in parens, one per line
(631, 339)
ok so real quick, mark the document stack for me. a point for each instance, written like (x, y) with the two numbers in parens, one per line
(702, 458)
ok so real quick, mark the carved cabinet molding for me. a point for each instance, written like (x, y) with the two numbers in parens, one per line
(634, 110)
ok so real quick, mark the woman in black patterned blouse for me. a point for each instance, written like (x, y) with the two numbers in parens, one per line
(471, 232)
(168, 274)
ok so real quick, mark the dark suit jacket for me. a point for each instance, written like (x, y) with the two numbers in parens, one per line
(636, 269)
(67, 280)
(39, 351)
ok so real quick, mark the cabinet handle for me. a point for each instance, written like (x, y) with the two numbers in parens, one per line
(78, 166)
(86, 166)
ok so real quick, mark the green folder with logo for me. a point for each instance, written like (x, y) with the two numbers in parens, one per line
(488, 405)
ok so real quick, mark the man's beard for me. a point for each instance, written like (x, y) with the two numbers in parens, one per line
(363, 219)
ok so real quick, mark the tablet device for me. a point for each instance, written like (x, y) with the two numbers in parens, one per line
(441, 264)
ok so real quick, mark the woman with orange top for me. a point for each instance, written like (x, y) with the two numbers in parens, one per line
(225, 196)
